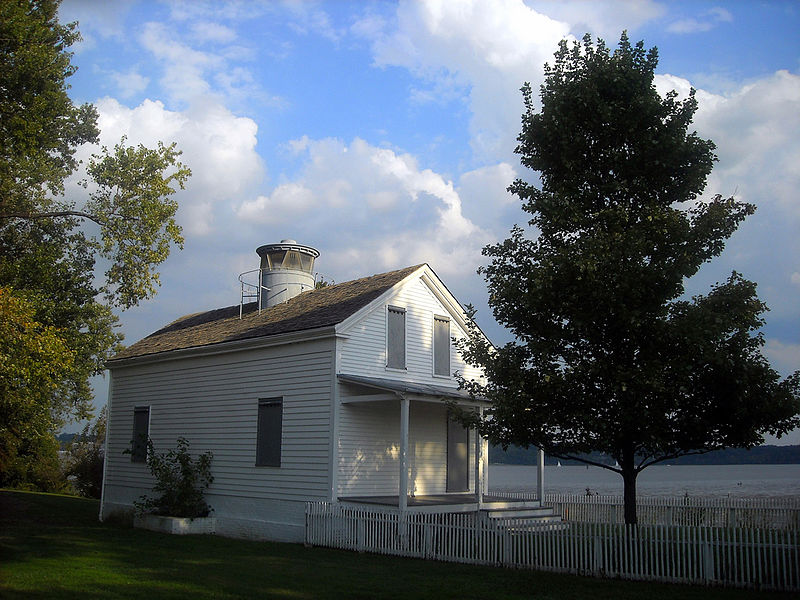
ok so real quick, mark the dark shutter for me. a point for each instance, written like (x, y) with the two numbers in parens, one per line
(141, 430)
(457, 456)
(396, 339)
(441, 346)
(270, 428)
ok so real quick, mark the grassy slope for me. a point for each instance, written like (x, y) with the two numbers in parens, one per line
(53, 547)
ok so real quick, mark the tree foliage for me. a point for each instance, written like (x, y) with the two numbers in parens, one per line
(608, 354)
(86, 457)
(35, 359)
(50, 240)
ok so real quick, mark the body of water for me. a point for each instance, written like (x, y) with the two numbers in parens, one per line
(658, 480)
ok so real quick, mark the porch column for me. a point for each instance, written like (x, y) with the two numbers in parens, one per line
(540, 477)
(479, 464)
(403, 492)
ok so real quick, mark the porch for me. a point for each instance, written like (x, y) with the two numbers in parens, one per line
(400, 449)
(490, 506)
(398, 446)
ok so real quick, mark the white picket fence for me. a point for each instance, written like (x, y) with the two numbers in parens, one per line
(764, 513)
(734, 556)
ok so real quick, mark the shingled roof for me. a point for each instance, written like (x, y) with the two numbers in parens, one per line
(310, 310)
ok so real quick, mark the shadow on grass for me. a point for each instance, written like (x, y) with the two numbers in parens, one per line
(54, 547)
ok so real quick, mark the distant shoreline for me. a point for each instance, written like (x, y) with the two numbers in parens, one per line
(760, 455)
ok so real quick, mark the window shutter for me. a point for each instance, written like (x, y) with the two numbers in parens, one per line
(396, 338)
(441, 346)
(270, 430)
(141, 431)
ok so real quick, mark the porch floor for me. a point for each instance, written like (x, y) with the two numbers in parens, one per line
(424, 500)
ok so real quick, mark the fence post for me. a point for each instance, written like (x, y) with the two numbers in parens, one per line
(427, 541)
(360, 535)
(597, 558)
(708, 562)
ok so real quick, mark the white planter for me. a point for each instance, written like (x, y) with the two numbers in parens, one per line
(176, 525)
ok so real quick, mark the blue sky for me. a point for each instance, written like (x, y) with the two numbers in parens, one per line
(382, 133)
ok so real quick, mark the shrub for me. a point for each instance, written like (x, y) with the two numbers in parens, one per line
(86, 456)
(181, 482)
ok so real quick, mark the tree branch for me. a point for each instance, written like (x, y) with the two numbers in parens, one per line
(56, 214)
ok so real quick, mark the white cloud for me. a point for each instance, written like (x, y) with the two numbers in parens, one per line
(756, 129)
(485, 49)
(101, 20)
(308, 18)
(130, 83)
(485, 198)
(371, 209)
(287, 202)
(706, 21)
(605, 19)
(218, 146)
(208, 31)
(185, 68)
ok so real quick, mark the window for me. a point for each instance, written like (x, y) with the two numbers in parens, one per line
(441, 346)
(141, 431)
(270, 430)
(396, 338)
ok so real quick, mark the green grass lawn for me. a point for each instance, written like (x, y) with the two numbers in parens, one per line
(54, 547)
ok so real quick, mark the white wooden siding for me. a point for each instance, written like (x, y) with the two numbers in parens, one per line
(213, 402)
(363, 352)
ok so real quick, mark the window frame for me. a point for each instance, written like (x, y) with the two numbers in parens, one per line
(434, 346)
(390, 308)
(139, 447)
(267, 456)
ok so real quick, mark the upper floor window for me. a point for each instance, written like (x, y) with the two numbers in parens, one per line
(396, 338)
(141, 431)
(441, 346)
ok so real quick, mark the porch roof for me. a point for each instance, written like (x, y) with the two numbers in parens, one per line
(406, 387)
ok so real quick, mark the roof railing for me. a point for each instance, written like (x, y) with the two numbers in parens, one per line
(251, 290)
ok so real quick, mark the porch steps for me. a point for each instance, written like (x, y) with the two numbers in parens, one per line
(542, 513)
(525, 519)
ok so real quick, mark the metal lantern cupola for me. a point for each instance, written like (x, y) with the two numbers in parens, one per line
(287, 269)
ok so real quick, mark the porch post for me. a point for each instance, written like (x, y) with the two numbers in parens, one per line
(540, 477)
(479, 464)
(403, 492)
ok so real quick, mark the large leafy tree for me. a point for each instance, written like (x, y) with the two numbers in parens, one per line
(49, 241)
(609, 355)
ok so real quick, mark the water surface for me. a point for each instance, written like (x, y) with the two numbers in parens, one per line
(658, 480)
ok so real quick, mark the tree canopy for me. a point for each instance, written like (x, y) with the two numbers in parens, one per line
(609, 355)
(58, 320)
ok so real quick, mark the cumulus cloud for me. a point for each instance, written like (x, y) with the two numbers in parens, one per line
(487, 49)
(218, 146)
(374, 208)
(757, 132)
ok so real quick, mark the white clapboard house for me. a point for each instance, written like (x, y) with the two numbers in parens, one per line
(305, 395)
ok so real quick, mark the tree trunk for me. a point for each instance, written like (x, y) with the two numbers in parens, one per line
(629, 493)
